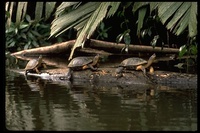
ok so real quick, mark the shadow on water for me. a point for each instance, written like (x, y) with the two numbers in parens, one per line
(38, 104)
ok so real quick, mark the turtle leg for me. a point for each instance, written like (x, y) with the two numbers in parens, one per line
(151, 70)
(90, 66)
(44, 65)
(85, 67)
(141, 68)
(36, 69)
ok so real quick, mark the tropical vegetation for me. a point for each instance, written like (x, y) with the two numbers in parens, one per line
(88, 18)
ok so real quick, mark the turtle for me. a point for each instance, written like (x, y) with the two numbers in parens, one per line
(34, 64)
(137, 64)
(84, 62)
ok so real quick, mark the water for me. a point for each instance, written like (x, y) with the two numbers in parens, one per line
(45, 105)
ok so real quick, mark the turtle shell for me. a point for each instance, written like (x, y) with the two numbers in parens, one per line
(80, 61)
(31, 64)
(133, 61)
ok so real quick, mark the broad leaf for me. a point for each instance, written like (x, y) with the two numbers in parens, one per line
(21, 11)
(98, 15)
(141, 15)
(38, 10)
(49, 9)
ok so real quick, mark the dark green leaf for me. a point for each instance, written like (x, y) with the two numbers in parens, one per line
(193, 20)
(170, 11)
(119, 38)
(177, 16)
(9, 30)
(35, 44)
(30, 35)
(182, 50)
(23, 35)
(127, 38)
(12, 44)
(141, 15)
(36, 33)
(28, 18)
(22, 26)
(138, 5)
(105, 35)
(193, 49)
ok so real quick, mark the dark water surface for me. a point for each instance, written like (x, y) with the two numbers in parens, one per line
(37, 104)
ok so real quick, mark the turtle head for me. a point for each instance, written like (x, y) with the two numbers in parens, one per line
(152, 57)
(40, 57)
(96, 59)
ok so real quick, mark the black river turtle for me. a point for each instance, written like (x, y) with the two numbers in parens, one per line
(137, 64)
(34, 64)
(84, 62)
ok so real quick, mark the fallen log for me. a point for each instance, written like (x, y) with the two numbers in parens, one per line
(102, 47)
(130, 78)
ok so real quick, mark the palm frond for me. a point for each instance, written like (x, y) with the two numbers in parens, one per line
(38, 10)
(63, 6)
(49, 9)
(21, 11)
(180, 15)
(65, 21)
(98, 15)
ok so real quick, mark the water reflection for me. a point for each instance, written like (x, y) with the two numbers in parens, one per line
(36, 104)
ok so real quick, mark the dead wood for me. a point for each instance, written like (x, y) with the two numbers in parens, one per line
(129, 78)
(92, 46)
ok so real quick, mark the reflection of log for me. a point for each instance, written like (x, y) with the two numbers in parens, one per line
(96, 46)
(129, 78)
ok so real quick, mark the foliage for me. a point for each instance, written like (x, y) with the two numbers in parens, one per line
(27, 34)
(176, 16)
(102, 31)
(85, 19)
(126, 34)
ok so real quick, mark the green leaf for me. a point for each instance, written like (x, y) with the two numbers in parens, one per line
(35, 44)
(119, 37)
(91, 25)
(178, 15)
(170, 11)
(9, 30)
(27, 46)
(38, 10)
(193, 49)
(153, 6)
(113, 9)
(28, 18)
(138, 5)
(163, 7)
(12, 44)
(22, 26)
(23, 35)
(21, 11)
(65, 21)
(64, 5)
(193, 20)
(35, 33)
(49, 9)
(30, 35)
(127, 38)
(141, 15)
(182, 50)
(105, 35)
